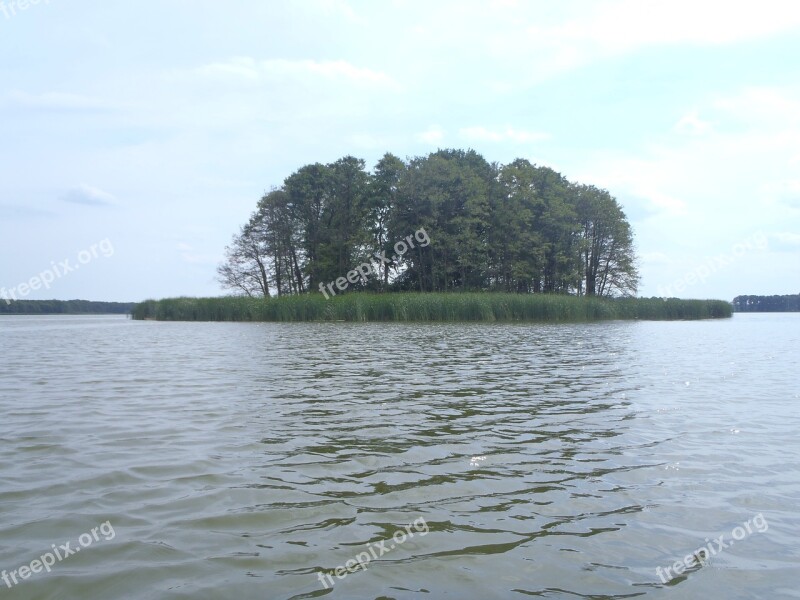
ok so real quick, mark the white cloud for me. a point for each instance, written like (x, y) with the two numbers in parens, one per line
(692, 124)
(89, 196)
(762, 106)
(248, 68)
(53, 101)
(650, 179)
(241, 66)
(191, 256)
(339, 8)
(508, 134)
(748, 151)
(580, 34)
(369, 141)
(656, 258)
(628, 24)
(785, 192)
(785, 240)
(433, 135)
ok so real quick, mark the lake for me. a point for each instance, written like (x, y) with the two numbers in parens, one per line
(485, 461)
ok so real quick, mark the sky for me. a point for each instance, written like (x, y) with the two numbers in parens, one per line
(137, 137)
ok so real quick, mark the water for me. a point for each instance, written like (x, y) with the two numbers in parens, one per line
(245, 460)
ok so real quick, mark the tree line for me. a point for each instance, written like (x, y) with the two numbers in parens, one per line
(785, 303)
(63, 307)
(514, 228)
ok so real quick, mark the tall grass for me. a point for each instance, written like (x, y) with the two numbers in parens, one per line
(428, 307)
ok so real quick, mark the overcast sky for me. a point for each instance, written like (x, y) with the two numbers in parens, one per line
(156, 126)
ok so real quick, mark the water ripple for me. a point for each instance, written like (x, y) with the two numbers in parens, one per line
(249, 460)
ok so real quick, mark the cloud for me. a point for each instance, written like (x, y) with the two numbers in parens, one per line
(785, 192)
(52, 101)
(189, 255)
(339, 8)
(650, 181)
(433, 135)
(89, 196)
(756, 133)
(630, 24)
(370, 141)
(656, 258)
(785, 241)
(508, 134)
(10, 212)
(762, 105)
(692, 124)
(251, 69)
(578, 34)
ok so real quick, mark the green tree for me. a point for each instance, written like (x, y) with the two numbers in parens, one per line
(245, 266)
(382, 202)
(308, 191)
(516, 247)
(516, 227)
(607, 252)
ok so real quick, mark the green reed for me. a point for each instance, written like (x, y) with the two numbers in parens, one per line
(465, 306)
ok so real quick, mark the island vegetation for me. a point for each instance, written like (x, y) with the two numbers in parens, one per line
(431, 306)
(508, 228)
(63, 307)
(785, 303)
(443, 237)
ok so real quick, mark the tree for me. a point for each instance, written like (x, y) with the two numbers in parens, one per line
(245, 266)
(279, 230)
(447, 193)
(346, 214)
(607, 244)
(516, 227)
(382, 202)
(516, 248)
(556, 221)
(308, 191)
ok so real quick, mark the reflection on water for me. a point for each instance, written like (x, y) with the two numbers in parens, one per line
(245, 460)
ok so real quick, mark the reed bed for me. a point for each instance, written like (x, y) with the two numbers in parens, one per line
(439, 307)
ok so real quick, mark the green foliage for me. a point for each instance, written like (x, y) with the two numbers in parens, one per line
(511, 228)
(415, 306)
(786, 303)
(63, 307)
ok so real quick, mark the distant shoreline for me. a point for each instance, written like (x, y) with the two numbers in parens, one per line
(64, 307)
(429, 307)
(762, 304)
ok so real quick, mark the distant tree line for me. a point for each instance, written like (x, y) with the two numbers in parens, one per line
(786, 303)
(515, 228)
(63, 307)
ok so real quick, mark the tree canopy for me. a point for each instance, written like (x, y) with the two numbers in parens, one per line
(513, 228)
(785, 303)
(63, 307)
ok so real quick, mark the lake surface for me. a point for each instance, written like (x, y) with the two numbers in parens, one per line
(233, 460)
